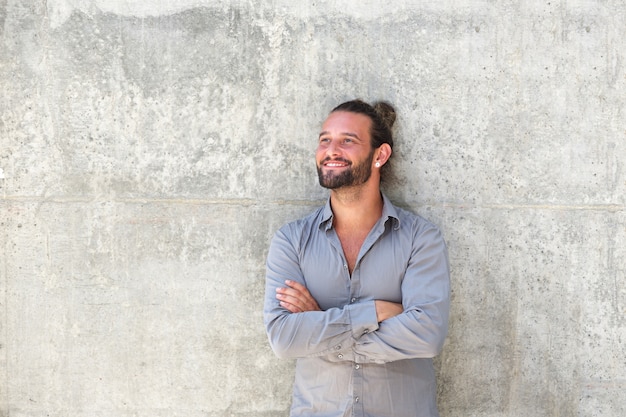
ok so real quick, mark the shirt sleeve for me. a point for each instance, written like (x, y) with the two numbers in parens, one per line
(420, 331)
(317, 333)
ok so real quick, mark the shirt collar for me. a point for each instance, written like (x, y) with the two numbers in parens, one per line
(389, 212)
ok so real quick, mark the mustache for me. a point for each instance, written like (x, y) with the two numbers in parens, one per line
(328, 159)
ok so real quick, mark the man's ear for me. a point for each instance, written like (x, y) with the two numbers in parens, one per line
(383, 153)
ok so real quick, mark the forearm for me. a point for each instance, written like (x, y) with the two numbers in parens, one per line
(412, 334)
(420, 330)
(387, 309)
(318, 333)
(310, 333)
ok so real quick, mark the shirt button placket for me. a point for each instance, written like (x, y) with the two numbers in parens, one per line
(358, 388)
(339, 355)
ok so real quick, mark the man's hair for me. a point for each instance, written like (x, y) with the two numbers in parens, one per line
(382, 115)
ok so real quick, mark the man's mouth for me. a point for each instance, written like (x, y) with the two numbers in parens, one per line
(336, 163)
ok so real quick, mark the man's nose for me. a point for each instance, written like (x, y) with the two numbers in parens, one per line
(332, 148)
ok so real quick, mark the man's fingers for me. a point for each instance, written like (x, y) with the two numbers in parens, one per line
(298, 291)
(286, 298)
(297, 286)
(296, 297)
(301, 303)
(290, 307)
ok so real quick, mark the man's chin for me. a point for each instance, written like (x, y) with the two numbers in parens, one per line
(335, 185)
(329, 186)
(332, 182)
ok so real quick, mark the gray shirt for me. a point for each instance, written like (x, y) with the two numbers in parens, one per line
(348, 364)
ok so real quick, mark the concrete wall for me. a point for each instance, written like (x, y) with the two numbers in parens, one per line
(149, 149)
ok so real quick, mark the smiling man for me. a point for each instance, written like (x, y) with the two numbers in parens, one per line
(358, 291)
(334, 166)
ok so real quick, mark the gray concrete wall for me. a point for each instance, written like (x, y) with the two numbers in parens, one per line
(149, 150)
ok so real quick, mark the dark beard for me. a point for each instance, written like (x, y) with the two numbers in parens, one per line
(353, 175)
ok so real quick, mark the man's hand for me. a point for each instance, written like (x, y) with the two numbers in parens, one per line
(386, 310)
(296, 298)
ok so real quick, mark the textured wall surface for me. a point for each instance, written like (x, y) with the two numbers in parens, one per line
(149, 150)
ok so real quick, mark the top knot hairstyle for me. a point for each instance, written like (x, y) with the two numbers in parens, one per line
(382, 115)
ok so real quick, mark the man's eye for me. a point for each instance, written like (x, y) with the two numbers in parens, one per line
(324, 140)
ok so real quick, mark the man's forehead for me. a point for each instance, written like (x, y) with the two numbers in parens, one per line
(341, 121)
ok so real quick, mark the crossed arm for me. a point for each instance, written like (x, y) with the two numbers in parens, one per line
(368, 331)
(296, 298)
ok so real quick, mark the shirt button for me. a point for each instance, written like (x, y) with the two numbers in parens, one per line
(353, 300)
(357, 366)
(356, 400)
(338, 347)
(340, 356)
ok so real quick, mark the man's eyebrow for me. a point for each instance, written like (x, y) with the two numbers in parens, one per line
(352, 135)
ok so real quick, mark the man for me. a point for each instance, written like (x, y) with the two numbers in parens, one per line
(358, 291)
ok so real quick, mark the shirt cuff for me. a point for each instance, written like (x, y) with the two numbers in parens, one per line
(363, 318)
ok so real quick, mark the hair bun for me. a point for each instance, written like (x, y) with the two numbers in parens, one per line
(386, 112)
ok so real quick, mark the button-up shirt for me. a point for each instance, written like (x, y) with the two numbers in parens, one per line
(348, 364)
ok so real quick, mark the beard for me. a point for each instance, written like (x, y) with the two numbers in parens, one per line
(350, 176)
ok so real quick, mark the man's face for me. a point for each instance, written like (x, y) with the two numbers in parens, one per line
(344, 153)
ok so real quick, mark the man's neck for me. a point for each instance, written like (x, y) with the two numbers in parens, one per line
(356, 207)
